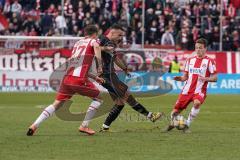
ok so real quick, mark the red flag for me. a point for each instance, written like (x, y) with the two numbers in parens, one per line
(3, 22)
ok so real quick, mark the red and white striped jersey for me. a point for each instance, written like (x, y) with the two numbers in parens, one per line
(82, 58)
(196, 67)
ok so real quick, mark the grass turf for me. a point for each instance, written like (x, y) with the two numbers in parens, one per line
(215, 132)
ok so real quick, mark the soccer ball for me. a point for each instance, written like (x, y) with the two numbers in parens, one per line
(179, 122)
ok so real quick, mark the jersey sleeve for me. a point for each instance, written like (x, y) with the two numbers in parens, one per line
(92, 42)
(101, 40)
(186, 66)
(212, 66)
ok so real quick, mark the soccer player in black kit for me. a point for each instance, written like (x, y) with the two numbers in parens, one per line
(117, 89)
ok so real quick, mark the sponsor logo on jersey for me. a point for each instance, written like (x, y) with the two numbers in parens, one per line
(204, 65)
(196, 71)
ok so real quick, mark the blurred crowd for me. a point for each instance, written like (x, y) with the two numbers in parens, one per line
(167, 22)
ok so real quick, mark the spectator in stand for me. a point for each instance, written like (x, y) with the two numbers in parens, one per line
(94, 12)
(7, 8)
(153, 33)
(215, 39)
(167, 38)
(52, 9)
(104, 23)
(16, 7)
(161, 25)
(183, 38)
(11, 28)
(114, 17)
(195, 33)
(158, 9)
(68, 8)
(133, 38)
(227, 41)
(182, 17)
(29, 23)
(231, 11)
(207, 35)
(150, 17)
(32, 32)
(139, 33)
(61, 23)
(236, 40)
(16, 21)
(81, 16)
(208, 24)
(28, 5)
(134, 21)
(46, 23)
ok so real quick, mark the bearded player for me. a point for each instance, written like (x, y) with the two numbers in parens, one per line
(199, 70)
(119, 90)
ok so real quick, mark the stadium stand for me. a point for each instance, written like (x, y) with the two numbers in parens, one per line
(181, 22)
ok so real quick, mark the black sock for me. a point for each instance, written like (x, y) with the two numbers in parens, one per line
(141, 109)
(137, 106)
(115, 111)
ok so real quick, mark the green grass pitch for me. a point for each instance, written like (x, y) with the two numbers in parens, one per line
(215, 133)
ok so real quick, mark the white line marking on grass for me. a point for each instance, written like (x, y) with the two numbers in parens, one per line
(40, 106)
(14, 107)
(209, 112)
(11, 107)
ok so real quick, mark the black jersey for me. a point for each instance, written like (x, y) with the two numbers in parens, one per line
(107, 58)
(112, 83)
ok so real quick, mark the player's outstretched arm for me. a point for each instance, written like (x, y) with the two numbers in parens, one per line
(122, 65)
(181, 78)
(97, 51)
(212, 78)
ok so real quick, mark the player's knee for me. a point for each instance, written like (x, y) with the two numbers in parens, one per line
(126, 96)
(196, 103)
(131, 100)
(57, 104)
(119, 102)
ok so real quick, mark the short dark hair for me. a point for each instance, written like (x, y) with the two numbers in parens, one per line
(202, 41)
(117, 26)
(90, 30)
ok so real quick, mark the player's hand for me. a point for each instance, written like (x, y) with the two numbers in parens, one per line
(177, 78)
(100, 80)
(99, 72)
(203, 79)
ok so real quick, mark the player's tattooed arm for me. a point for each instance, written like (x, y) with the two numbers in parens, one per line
(120, 63)
(97, 50)
(181, 78)
(212, 78)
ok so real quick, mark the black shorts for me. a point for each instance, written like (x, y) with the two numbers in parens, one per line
(114, 85)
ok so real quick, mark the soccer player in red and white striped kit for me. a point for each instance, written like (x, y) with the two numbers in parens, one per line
(76, 79)
(198, 71)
